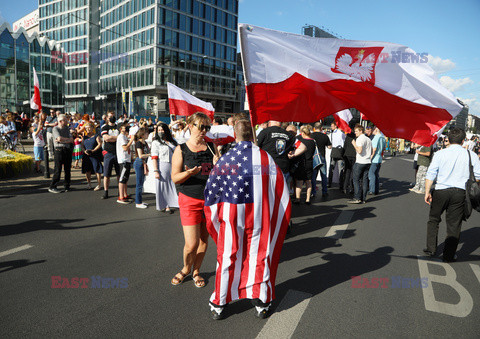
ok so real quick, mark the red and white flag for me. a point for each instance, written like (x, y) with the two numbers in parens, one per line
(183, 103)
(36, 101)
(220, 134)
(293, 77)
(247, 207)
(342, 119)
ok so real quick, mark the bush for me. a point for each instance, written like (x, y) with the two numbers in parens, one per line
(13, 164)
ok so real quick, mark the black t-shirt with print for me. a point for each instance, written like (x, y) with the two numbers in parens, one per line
(143, 146)
(110, 147)
(277, 142)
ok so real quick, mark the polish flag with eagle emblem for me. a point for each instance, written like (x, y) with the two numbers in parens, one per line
(291, 77)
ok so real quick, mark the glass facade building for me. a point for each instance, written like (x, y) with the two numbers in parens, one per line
(141, 45)
(19, 53)
(190, 43)
(74, 23)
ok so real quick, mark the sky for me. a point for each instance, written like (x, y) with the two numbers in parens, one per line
(449, 31)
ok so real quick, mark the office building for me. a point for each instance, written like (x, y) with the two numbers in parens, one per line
(139, 46)
(190, 43)
(74, 24)
(19, 53)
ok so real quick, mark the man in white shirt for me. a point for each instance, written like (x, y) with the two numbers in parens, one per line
(337, 138)
(363, 146)
(450, 168)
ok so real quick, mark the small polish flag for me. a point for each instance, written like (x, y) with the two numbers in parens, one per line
(183, 103)
(220, 135)
(36, 102)
(342, 119)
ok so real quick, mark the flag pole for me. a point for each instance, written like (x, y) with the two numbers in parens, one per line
(245, 77)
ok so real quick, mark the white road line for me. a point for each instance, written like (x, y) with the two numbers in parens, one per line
(476, 271)
(340, 226)
(285, 320)
(409, 160)
(448, 277)
(15, 250)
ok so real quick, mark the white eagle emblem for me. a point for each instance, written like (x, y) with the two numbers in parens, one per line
(362, 70)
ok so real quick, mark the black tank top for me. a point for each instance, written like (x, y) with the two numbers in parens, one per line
(194, 186)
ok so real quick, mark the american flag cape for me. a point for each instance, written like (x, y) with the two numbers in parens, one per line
(247, 207)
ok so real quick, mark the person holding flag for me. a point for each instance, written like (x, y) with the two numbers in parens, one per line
(247, 207)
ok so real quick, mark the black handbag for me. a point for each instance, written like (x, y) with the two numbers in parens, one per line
(472, 194)
(337, 153)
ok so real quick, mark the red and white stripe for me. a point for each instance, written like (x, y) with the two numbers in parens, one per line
(185, 104)
(36, 101)
(342, 119)
(220, 134)
(249, 237)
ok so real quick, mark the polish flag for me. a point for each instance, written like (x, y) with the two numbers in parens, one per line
(342, 119)
(220, 135)
(183, 103)
(292, 77)
(36, 102)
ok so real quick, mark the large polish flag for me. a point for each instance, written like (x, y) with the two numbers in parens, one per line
(183, 103)
(293, 77)
(36, 102)
(247, 210)
(342, 119)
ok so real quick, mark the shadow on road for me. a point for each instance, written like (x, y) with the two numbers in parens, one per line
(390, 188)
(13, 264)
(46, 224)
(338, 269)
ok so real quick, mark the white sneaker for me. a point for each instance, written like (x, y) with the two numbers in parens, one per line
(98, 188)
(141, 205)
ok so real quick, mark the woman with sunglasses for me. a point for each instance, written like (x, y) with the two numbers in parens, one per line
(191, 165)
(163, 146)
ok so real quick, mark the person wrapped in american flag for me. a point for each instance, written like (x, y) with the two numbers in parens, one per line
(247, 210)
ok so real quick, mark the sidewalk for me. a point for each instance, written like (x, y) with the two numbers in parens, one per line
(34, 180)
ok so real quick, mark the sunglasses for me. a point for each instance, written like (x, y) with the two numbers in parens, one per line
(205, 128)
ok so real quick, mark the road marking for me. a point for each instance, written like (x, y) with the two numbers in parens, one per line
(340, 226)
(409, 160)
(285, 320)
(15, 250)
(461, 309)
(476, 271)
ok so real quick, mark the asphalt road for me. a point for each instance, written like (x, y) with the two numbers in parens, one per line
(76, 234)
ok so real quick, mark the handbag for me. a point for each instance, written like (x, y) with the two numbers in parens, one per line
(317, 160)
(472, 194)
(337, 153)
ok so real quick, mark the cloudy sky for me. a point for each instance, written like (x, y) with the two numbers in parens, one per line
(449, 31)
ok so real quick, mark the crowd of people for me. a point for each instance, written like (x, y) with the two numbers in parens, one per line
(180, 157)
